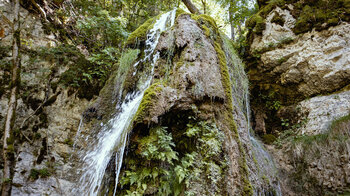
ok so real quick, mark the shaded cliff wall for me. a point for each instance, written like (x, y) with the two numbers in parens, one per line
(298, 65)
(49, 107)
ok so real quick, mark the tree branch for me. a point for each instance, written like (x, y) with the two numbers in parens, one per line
(193, 9)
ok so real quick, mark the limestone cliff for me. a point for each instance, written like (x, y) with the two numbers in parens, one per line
(299, 67)
(48, 113)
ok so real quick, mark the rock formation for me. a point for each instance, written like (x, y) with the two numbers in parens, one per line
(299, 69)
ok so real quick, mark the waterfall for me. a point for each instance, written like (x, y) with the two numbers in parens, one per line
(113, 135)
(240, 97)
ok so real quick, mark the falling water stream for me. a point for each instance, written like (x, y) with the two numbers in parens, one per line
(113, 135)
(240, 95)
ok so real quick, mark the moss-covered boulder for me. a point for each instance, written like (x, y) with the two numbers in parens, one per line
(187, 136)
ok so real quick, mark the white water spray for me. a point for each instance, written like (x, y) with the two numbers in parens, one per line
(114, 134)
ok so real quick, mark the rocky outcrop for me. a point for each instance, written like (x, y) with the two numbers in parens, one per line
(300, 93)
(191, 102)
(48, 114)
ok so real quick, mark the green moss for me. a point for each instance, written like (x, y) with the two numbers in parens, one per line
(36, 173)
(149, 97)
(338, 123)
(203, 18)
(303, 24)
(206, 30)
(317, 14)
(140, 34)
(256, 23)
(278, 19)
(269, 138)
(247, 188)
(69, 142)
(37, 136)
(10, 148)
(281, 60)
(179, 11)
(320, 15)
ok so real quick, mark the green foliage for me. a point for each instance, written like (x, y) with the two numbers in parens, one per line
(158, 146)
(210, 138)
(102, 64)
(270, 100)
(240, 11)
(285, 122)
(6, 180)
(127, 59)
(36, 173)
(87, 75)
(134, 12)
(340, 124)
(164, 170)
(102, 30)
(338, 131)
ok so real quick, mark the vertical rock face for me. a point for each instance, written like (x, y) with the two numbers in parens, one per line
(47, 116)
(300, 88)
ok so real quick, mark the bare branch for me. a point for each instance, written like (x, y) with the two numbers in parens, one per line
(193, 9)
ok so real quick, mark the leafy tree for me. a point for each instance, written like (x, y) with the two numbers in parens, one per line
(239, 11)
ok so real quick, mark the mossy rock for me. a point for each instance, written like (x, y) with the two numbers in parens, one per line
(179, 11)
(148, 99)
(140, 34)
(36, 173)
(256, 23)
(278, 19)
(269, 139)
(318, 14)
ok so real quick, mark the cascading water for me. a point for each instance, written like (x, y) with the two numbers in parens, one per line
(113, 134)
(240, 95)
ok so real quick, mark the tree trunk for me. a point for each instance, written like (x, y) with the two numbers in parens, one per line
(239, 31)
(8, 146)
(193, 9)
(204, 3)
(231, 24)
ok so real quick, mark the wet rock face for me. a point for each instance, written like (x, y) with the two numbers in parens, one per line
(188, 93)
(300, 87)
(192, 93)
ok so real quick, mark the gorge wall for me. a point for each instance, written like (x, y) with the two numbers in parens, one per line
(48, 109)
(299, 67)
